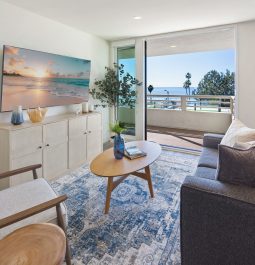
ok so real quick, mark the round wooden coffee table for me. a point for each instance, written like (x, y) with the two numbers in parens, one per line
(105, 165)
(34, 244)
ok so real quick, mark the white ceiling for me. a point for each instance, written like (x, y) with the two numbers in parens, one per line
(218, 39)
(113, 19)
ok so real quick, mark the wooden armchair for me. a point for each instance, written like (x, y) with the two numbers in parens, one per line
(29, 203)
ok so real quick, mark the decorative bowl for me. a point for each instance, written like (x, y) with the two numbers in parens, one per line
(36, 115)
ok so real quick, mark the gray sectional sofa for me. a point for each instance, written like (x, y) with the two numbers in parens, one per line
(217, 218)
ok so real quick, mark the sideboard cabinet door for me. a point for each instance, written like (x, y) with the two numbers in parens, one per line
(23, 161)
(54, 160)
(94, 137)
(25, 141)
(55, 151)
(77, 141)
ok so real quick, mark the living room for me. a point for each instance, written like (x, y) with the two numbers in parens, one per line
(68, 191)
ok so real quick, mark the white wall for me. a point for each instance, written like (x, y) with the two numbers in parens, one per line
(245, 39)
(22, 28)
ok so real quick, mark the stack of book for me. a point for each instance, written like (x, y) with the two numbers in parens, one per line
(133, 152)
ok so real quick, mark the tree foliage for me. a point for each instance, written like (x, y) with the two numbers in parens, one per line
(116, 88)
(215, 83)
(187, 83)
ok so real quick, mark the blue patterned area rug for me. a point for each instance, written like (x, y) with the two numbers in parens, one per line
(138, 230)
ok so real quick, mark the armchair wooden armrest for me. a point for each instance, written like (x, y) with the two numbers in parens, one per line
(21, 170)
(38, 209)
(34, 210)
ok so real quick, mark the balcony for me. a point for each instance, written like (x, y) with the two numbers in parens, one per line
(197, 112)
(181, 120)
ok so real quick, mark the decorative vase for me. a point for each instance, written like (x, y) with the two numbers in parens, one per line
(36, 115)
(17, 116)
(119, 146)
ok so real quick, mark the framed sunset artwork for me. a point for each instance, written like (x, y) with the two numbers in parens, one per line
(38, 79)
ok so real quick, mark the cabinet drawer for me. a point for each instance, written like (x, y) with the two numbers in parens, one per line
(27, 160)
(55, 133)
(77, 127)
(25, 141)
(94, 122)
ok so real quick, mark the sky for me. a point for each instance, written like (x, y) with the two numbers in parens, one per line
(31, 63)
(170, 70)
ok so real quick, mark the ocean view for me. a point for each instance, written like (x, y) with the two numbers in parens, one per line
(172, 90)
(42, 91)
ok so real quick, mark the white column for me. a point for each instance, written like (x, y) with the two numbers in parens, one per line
(139, 108)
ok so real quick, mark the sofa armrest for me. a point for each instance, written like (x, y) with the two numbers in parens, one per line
(212, 140)
(217, 223)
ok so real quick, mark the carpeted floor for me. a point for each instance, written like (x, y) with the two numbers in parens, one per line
(138, 230)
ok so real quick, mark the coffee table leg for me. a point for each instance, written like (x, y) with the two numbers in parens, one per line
(108, 194)
(148, 176)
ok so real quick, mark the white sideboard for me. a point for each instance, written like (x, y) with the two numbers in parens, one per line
(59, 143)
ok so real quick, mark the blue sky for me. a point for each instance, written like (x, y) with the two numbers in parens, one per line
(39, 64)
(170, 70)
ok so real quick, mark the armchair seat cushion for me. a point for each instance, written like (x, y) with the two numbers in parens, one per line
(24, 196)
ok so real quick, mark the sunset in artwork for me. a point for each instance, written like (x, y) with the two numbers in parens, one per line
(32, 79)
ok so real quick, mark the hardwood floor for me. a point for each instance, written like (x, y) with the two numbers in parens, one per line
(189, 139)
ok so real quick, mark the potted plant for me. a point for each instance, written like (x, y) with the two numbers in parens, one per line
(116, 88)
(119, 146)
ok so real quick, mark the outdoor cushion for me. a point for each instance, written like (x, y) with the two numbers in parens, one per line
(205, 172)
(208, 158)
(21, 197)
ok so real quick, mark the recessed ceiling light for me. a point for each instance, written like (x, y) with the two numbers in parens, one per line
(137, 17)
(173, 46)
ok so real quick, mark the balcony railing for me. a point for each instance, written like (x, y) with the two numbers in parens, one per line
(203, 103)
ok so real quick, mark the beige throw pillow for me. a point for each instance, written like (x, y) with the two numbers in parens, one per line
(238, 133)
(244, 146)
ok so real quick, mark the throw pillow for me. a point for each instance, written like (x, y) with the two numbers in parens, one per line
(236, 166)
(247, 145)
(245, 135)
(238, 132)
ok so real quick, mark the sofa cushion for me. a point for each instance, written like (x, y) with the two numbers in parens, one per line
(238, 132)
(236, 166)
(206, 172)
(24, 196)
(208, 158)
